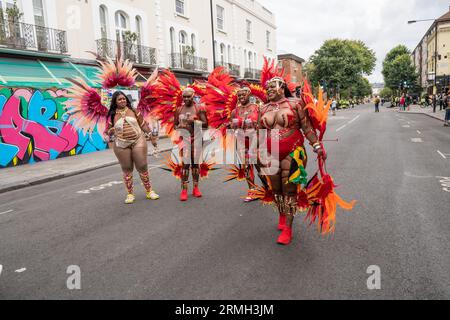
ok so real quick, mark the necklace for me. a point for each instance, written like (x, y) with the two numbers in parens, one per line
(123, 112)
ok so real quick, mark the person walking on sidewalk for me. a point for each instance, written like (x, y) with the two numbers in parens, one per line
(447, 111)
(377, 104)
(130, 133)
(402, 103)
(434, 103)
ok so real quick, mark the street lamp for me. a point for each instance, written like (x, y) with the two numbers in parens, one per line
(435, 46)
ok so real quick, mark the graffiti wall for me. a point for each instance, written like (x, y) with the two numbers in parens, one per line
(33, 128)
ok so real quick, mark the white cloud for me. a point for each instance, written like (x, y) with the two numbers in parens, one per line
(303, 25)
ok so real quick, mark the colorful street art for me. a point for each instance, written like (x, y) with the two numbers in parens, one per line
(33, 128)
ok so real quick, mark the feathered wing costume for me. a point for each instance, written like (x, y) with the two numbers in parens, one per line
(164, 99)
(318, 198)
(221, 101)
(84, 107)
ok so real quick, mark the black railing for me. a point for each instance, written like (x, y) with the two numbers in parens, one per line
(133, 52)
(254, 74)
(188, 62)
(24, 36)
(233, 69)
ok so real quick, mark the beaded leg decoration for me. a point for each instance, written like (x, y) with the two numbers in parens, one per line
(128, 181)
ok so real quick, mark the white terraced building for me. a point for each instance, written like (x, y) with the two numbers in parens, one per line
(168, 33)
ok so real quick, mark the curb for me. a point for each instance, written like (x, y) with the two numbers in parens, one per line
(39, 181)
(425, 114)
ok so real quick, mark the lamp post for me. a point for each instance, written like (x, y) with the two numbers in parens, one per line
(435, 46)
(213, 36)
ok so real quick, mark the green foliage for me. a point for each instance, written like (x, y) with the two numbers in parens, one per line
(386, 93)
(130, 37)
(342, 64)
(399, 69)
(14, 14)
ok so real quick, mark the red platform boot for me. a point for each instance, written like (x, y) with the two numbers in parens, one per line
(282, 222)
(286, 236)
(196, 193)
(184, 195)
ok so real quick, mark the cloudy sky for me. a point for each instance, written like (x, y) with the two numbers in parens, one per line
(303, 25)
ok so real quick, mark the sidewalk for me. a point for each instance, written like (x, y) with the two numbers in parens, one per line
(33, 174)
(415, 109)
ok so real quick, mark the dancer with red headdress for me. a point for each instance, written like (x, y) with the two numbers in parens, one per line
(288, 121)
(184, 120)
(86, 112)
(229, 107)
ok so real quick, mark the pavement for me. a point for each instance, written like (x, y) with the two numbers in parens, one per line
(395, 165)
(27, 175)
(439, 114)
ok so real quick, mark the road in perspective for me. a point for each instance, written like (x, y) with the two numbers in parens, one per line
(396, 165)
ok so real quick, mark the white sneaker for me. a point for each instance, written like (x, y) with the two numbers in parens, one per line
(152, 195)
(130, 199)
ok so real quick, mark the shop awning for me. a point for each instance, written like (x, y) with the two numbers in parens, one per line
(44, 74)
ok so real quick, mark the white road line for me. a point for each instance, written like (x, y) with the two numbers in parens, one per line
(419, 132)
(351, 121)
(21, 270)
(406, 126)
(417, 140)
(344, 126)
(442, 155)
(9, 211)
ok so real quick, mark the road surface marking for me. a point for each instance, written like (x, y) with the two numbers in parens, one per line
(408, 126)
(21, 270)
(445, 183)
(9, 211)
(416, 140)
(419, 132)
(442, 155)
(101, 187)
(351, 121)
(1, 269)
(343, 127)
(410, 175)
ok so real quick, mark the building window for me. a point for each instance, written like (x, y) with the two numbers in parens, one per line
(179, 5)
(193, 42)
(103, 23)
(172, 40)
(250, 60)
(139, 29)
(183, 42)
(249, 30)
(222, 54)
(38, 10)
(268, 40)
(230, 56)
(121, 25)
(220, 17)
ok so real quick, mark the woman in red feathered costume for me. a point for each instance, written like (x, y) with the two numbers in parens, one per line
(244, 119)
(187, 116)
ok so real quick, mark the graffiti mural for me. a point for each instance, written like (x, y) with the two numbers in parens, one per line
(33, 128)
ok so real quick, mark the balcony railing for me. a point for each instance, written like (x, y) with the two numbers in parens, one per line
(188, 62)
(133, 52)
(254, 74)
(233, 69)
(24, 36)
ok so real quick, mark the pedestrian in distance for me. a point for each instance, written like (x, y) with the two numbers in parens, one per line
(334, 107)
(377, 104)
(434, 103)
(402, 103)
(447, 112)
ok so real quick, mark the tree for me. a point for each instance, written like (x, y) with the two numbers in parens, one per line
(399, 71)
(341, 64)
(386, 93)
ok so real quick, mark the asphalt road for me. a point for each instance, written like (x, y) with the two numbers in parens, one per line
(220, 248)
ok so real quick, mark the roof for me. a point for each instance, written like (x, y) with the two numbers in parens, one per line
(445, 17)
(290, 56)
